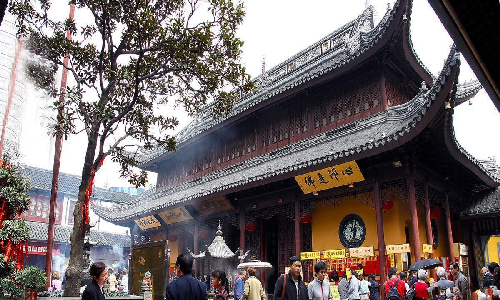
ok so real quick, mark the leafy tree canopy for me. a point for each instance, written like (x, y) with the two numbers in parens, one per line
(134, 56)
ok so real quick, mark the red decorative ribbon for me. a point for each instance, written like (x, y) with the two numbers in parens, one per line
(86, 200)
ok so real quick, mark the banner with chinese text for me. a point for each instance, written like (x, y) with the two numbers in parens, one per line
(310, 255)
(175, 215)
(147, 222)
(213, 205)
(330, 177)
(361, 252)
(427, 248)
(334, 254)
(403, 248)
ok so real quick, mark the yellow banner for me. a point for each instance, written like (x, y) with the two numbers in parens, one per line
(404, 248)
(427, 248)
(330, 177)
(334, 254)
(361, 252)
(392, 258)
(175, 215)
(310, 255)
(147, 222)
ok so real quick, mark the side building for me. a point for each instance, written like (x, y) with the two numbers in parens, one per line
(345, 152)
(111, 243)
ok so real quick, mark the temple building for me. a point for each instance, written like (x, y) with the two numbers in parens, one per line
(345, 152)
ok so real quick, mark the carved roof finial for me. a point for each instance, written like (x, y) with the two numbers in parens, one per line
(219, 230)
(263, 64)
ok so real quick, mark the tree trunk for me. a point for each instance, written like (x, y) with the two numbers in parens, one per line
(74, 272)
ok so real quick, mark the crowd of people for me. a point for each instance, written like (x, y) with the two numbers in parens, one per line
(355, 286)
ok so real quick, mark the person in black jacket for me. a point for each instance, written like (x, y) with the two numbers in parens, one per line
(186, 287)
(93, 291)
(295, 288)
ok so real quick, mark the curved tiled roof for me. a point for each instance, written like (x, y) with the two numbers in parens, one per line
(39, 232)
(339, 144)
(331, 52)
(467, 90)
(484, 203)
(69, 184)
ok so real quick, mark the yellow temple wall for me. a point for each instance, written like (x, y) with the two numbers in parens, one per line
(326, 221)
(492, 253)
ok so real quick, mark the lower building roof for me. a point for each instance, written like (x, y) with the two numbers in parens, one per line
(39, 232)
(483, 204)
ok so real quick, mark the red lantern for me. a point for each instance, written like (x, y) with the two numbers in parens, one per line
(172, 238)
(203, 234)
(435, 212)
(306, 219)
(387, 205)
(251, 227)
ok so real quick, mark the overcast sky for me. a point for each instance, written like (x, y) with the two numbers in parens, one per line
(276, 30)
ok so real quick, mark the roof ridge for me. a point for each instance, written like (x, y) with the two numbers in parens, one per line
(294, 71)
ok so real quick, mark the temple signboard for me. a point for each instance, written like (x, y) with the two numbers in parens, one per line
(393, 249)
(334, 254)
(361, 252)
(310, 255)
(331, 177)
(175, 215)
(147, 222)
(213, 205)
(426, 248)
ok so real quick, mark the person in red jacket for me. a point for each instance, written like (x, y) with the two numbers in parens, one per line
(421, 286)
(393, 280)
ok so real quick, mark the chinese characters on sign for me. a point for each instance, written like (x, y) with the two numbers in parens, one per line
(147, 222)
(361, 252)
(214, 205)
(391, 249)
(334, 254)
(330, 177)
(175, 215)
(310, 255)
(427, 248)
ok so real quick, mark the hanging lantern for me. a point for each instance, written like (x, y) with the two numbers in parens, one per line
(251, 227)
(306, 219)
(435, 212)
(203, 234)
(387, 205)
(172, 238)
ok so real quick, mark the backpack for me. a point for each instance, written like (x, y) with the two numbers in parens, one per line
(410, 294)
(393, 293)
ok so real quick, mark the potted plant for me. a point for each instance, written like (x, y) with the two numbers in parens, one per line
(31, 280)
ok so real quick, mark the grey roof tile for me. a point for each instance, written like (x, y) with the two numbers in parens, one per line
(39, 232)
(371, 132)
(69, 184)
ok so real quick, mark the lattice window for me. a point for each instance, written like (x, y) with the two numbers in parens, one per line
(332, 108)
(356, 99)
(291, 124)
(304, 117)
(394, 189)
(340, 105)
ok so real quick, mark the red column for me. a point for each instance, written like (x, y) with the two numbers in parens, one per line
(414, 218)
(297, 227)
(242, 232)
(428, 224)
(380, 231)
(448, 226)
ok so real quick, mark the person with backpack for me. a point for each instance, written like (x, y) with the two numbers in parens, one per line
(395, 288)
(290, 286)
